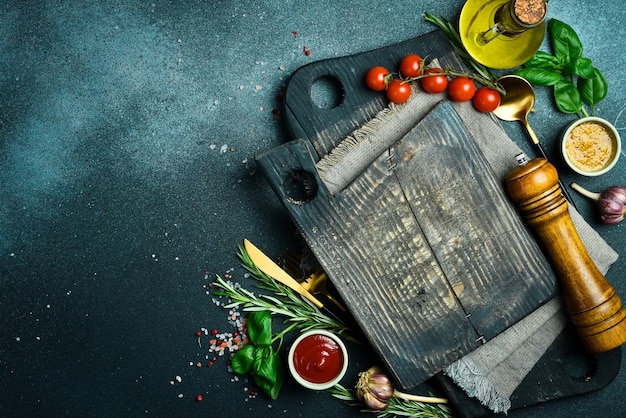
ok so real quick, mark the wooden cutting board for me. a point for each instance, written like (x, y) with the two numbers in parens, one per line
(422, 245)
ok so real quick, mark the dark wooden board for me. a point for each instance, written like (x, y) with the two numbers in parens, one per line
(323, 127)
(423, 243)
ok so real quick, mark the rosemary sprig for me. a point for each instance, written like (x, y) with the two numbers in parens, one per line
(455, 39)
(397, 407)
(280, 300)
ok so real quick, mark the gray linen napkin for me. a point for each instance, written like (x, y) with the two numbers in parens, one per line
(492, 372)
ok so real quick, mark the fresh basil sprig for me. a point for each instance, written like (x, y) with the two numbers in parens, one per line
(258, 357)
(575, 79)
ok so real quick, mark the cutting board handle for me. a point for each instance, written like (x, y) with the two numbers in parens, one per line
(594, 308)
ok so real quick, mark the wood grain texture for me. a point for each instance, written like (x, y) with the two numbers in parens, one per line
(491, 262)
(414, 250)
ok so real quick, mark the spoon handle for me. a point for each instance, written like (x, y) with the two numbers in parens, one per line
(532, 134)
(535, 140)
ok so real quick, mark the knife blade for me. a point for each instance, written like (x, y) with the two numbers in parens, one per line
(269, 267)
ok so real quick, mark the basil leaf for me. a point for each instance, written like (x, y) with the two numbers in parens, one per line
(268, 373)
(243, 359)
(543, 60)
(583, 67)
(567, 97)
(594, 89)
(260, 328)
(565, 42)
(539, 77)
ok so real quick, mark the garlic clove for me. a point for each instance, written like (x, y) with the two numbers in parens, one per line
(380, 386)
(373, 402)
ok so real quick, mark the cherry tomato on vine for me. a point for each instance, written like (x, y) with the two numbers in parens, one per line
(486, 99)
(411, 66)
(461, 89)
(398, 91)
(435, 83)
(375, 78)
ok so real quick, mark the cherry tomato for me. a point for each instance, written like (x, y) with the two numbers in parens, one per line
(461, 89)
(435, 83)
(398, 91)
(375, 78)
(411, 66)
(486, 99)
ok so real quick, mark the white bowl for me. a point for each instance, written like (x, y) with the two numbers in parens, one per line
(579, 164)
(318, 359)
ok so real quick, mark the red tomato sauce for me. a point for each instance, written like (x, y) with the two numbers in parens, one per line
(318, 359)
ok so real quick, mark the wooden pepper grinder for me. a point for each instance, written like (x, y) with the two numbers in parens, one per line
(594, 308)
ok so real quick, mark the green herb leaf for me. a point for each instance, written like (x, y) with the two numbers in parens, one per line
(539, 76)
(583, 67)
(269, 374)
(545, 61)
(594, 89)
(565, 42)
(260, 328)
(243, 359)
(567, 97)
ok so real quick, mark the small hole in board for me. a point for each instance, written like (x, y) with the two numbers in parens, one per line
(327, 92)
(300, 186)
(581, 367)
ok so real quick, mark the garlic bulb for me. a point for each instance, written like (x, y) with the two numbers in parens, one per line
(375, 390)
(611, 202)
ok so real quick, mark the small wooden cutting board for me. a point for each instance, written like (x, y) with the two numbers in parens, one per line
(423, 246)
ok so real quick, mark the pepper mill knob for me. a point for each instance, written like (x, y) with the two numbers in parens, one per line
(593, 306)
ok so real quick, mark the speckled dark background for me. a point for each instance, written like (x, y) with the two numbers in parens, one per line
(128, 132)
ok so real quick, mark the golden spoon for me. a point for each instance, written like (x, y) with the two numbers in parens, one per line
(516, 104)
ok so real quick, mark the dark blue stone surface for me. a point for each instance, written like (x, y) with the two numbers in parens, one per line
(128, 132)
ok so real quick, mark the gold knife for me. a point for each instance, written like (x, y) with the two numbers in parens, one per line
(269, 267)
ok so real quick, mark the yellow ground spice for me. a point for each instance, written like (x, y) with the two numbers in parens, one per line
(589, 146)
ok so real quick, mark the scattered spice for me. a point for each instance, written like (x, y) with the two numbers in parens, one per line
(306, 50)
